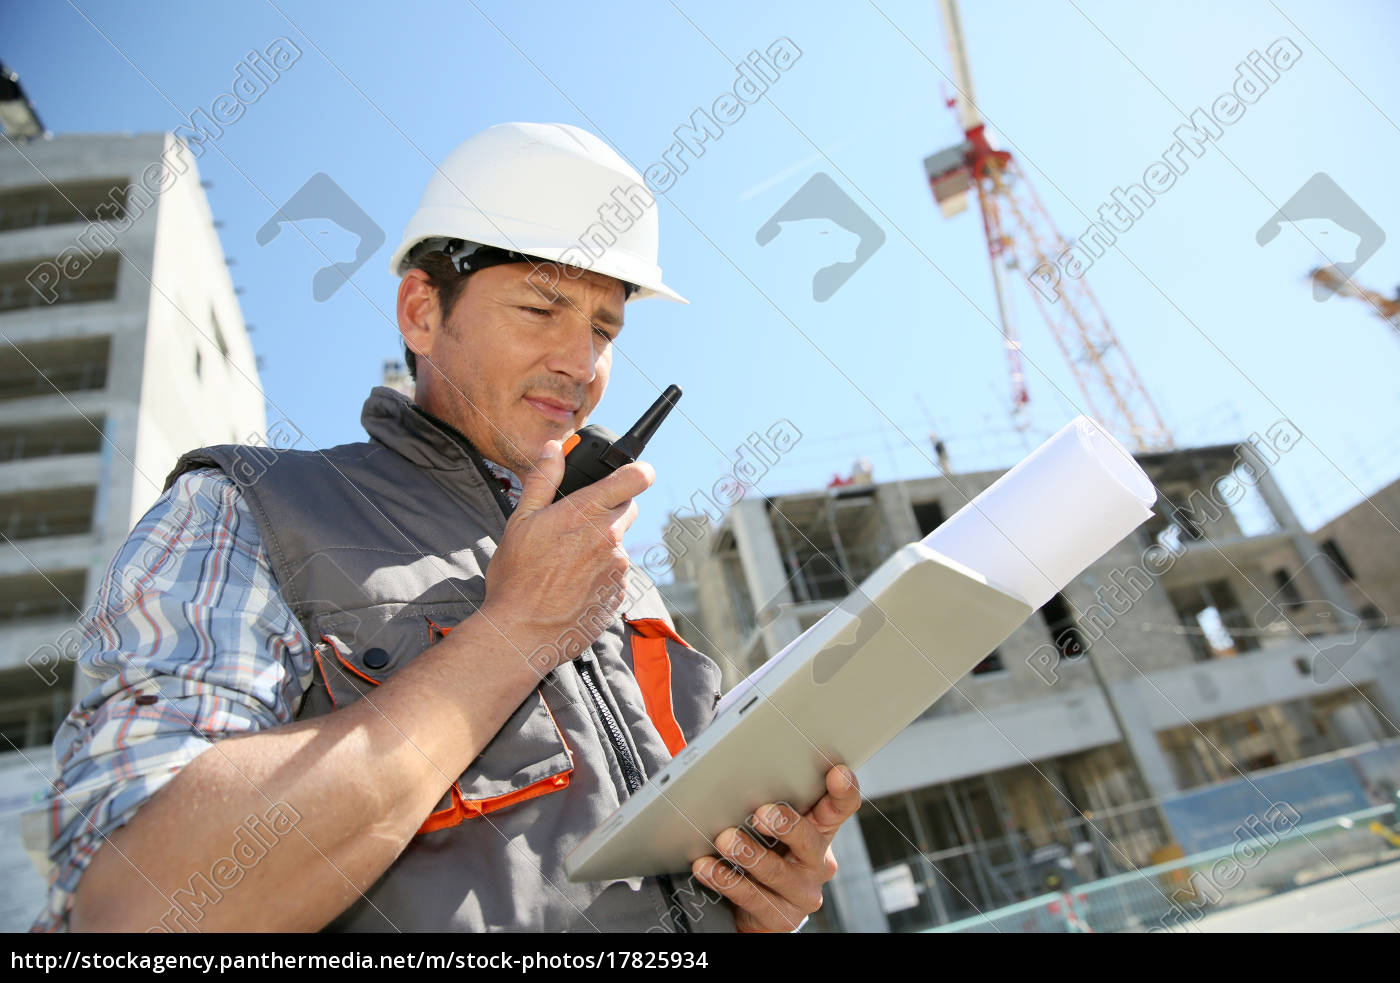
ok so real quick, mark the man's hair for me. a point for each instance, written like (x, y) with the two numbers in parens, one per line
(449, 285)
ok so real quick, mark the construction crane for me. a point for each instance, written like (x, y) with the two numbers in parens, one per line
(1021, 238)
(1326, 279)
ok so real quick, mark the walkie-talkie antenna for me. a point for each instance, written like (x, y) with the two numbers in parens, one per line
(629, 446)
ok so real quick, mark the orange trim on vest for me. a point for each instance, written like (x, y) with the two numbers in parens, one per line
(341, 659)
(433, 626)
(651, 664)
(654, 627)
(462, 809)
(444, 818)
(324, 681)
(472, 808)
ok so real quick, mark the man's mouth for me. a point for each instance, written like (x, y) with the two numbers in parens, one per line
(554, 409)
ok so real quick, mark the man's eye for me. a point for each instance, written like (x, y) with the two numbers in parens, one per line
(604, 335)
(534, 310)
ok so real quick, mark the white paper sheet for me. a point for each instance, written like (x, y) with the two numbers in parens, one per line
(1035, 528)
(1041, 524)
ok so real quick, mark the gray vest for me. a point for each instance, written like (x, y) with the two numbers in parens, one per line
(380, 548)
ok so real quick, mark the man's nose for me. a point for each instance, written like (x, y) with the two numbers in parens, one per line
(576, 353)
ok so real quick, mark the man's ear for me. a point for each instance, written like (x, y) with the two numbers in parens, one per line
(419, 316)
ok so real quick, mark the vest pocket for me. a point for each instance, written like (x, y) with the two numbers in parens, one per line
(526, 759)
(358, 651)
(355, 651)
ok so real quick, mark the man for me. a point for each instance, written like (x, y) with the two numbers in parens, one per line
(424, 680)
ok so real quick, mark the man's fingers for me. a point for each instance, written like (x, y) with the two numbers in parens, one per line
(626, 482)
(805, 843)
(772, 891)
(756, 908)
(539, 485)
(840, 802)
(610, 525)
(759, 862)
(624, 521)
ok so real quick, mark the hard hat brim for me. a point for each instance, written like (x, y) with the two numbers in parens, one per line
(648, 284)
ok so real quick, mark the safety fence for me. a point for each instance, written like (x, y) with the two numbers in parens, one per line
(1173, 896)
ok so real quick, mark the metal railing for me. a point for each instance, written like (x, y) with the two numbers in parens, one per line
(56, 522)
(1173, 896)
(956, 883)
(63, 378)
(82, 201)
(33, 609)
(22, 446)
(821, 576)
(21, 295)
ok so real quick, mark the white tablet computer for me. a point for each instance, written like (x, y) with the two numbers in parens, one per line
(836, 695)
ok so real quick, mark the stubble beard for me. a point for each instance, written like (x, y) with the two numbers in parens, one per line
(495, 443)
(459, 407)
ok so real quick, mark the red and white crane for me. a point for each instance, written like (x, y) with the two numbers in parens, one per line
(1021, 237)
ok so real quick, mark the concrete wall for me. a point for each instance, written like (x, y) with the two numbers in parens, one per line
(224, 403)
(1366, 536)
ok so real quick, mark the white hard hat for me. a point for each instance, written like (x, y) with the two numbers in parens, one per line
(542, 190)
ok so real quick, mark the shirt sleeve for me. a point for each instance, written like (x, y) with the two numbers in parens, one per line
(188, 641)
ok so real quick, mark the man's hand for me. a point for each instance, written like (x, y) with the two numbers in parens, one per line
(559, 573)
(773, 890)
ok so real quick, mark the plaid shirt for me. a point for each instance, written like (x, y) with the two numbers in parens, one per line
(188, 642)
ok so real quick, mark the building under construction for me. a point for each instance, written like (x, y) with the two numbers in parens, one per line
(124, 345)
(1218, 641)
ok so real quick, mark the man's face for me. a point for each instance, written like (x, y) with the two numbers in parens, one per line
(512, 369)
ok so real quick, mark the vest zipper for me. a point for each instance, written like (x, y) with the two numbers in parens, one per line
(630, 775)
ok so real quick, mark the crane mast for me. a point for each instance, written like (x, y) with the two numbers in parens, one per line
(1021, 237)
(966, 100)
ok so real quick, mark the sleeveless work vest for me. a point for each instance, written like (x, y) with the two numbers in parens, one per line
(380, 549)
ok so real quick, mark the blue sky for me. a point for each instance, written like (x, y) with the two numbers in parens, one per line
(1086, 94)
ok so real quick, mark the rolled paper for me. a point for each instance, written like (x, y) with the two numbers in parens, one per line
(1042, 524)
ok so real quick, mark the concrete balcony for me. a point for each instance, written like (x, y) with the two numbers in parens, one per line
(91, 403)
(942, 747)
(81, 551)
(1283, 671)
(1201, 559)
(74, 321)
(58, 471)
(17, 245)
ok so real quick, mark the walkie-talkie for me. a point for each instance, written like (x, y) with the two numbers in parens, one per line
(596, 452)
